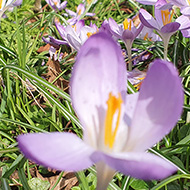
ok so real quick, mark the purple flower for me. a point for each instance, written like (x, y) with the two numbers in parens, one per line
(159, 4)
(184, 6)
(54, 54)
(148, 34)
(118, 128)
(163, 24)
(56, 4)
(8, 4)
(77, 34)
(127, 33)
(77, 15)
(54, 42)
(186, 33)
(105, 27)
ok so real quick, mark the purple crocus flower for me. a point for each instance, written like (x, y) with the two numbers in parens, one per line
(148, 34)
(105, 27)
(8, 4)
(54, 42)
(186, 33)
(163, 24)
(54, 55)
(184, 6)
(159, 4)
(127, 33)
(118, 128)
(77, 15)
(56, 4)
(77, 34)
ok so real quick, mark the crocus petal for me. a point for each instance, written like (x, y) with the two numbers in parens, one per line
(139, 29)
(79, 25)
(163, 5)
(130, 107)
(60, 28)
(158, 108)
(147, 2)
(56, 41)
(99, 70)
(128, 35)
(115, 28)
(60, 151)
(17, 3)
(184, 22)
(71, 13)
(63, 5)
(90, 14)
(186, 33)
(147, 19)
(144, 166)
(180, 3)
(80, 9)
(74, 42)
(185, 10)
(170, 28)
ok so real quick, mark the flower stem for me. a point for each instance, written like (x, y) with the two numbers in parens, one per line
(128, 47)
(165, 48)
(104, 175)
(166, 39)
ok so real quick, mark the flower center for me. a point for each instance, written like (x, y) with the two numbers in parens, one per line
(147, 38)
(90, 33)
(127, 24)
(166, 16)
(75, 27)
(114, 107)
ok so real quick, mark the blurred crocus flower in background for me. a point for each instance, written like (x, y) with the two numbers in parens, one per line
(76, 16)
(118, 127)
(127, 33)
(159, 4)
(136, 77)
(54, 54)
(184, 6)
(163, 24)
(149, 34)
(77, 34)
(56, 4)
(54, 42)
(8, 4)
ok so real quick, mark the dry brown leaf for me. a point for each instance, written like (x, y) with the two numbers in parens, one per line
(44, 48)
(136, 20)
(54, 70)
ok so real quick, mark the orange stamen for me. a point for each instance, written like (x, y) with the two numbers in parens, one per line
(79, 13)
(114, 105)
(1, 2)
(127, 24)
(146, 36)
(89, 34)
(166, 16)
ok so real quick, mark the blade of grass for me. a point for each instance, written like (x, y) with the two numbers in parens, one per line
(40, 80)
